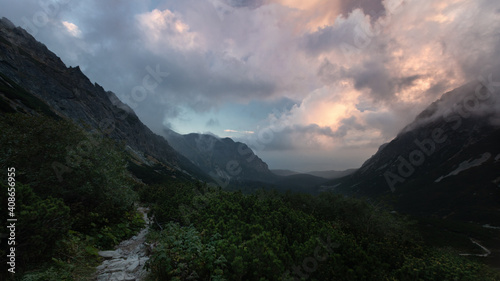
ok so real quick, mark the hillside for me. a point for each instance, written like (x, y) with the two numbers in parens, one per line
(28, 65)
(222, 158)
(443, 164)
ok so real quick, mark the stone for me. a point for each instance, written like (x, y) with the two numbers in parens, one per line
(101, 267)
(103, 277)
(133, 266)
(130, 278)
(117, 276)
(126, 262)
(107, 254)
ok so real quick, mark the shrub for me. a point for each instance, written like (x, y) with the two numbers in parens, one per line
(41, 222)
(60, 160)
(181, 254)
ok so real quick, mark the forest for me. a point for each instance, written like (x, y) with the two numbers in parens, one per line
(77, 192)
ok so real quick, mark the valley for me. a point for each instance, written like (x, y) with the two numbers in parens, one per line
(425, 205)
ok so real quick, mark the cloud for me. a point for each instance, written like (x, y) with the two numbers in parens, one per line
(212, 123)
(72, 28)
(239, 132)
(379, 81)
(330, 37)
(167, 29)
(374, 8)
(245, 3)
(356, 71)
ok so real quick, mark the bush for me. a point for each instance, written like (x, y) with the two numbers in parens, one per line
(60, 160)
(181, 254)
(442, 265)
(267, 236)
(69, 183)
(40, 224)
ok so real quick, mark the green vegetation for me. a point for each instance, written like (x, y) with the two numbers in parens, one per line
(73, 196)
(208, 234)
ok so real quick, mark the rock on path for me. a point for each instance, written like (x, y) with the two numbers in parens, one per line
(126, 263)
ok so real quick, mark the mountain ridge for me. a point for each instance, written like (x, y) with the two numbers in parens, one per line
(326, 174)
(71, 94)
(454, 131)
(222, 158)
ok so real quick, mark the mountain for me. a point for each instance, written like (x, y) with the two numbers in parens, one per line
(300, 183)
(222, 158)
(234, 165)
(284, 173)
(332, 174)
(445, 164)
(33, 79)
(329, 174)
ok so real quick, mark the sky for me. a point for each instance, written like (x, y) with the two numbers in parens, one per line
(309, 85)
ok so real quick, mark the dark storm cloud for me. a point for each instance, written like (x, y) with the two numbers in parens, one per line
(348, 124)
(245, 3)
(404, 82)
(381, 84)
(374, 8)
(437, 88)
(374, 76)
(298, 136)
(328, 72)
(219, 53)
(347, 31)
(114, 51)
(328, 38)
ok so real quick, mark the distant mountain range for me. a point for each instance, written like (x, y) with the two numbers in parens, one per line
(329, 174)
(234, 165)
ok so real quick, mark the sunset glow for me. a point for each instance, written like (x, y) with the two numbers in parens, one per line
(321, 75)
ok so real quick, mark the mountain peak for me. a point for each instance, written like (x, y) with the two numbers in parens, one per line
(69, 93)
(445, 138)
(6, 23)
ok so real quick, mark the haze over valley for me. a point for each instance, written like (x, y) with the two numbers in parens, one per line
(250, 140)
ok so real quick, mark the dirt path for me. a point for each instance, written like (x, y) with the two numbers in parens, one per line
(126, 262)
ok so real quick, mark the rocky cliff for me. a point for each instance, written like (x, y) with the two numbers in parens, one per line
(222, 158)
(30, 73)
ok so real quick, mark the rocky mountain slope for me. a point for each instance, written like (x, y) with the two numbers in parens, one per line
(33, 78)
(221, 158)
(446, 163)
(234, 165)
